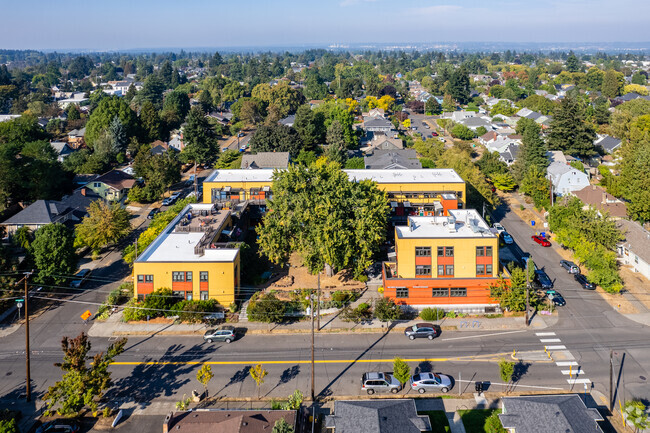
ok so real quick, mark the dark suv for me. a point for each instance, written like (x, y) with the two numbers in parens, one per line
(421, 330)
(543, 280)
(584, 282)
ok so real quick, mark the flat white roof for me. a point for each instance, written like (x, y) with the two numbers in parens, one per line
(171, 246)
(462, 223)
(424, 175)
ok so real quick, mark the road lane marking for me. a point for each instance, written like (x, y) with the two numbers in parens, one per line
(509, 384)
(566, 363)
(483, 335)
(542, 334)
(574, 381)
(577, 372)
(560, 347)
(550, 340)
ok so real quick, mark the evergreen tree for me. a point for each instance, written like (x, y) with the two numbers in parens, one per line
(310, 125)
(117, 135)
(532, 153)
(432, 107)
(569, 132)
(200, 145)
(336, 147)
(130, 94)
(612, 83)
(151, 123)
(572, 63)
(458, 86)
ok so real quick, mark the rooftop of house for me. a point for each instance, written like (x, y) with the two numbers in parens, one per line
(377, 122)
(377, 416)
(192, 237)
(116, 179)
(600, 199)
(556, 156)
(226, 421)
(424, 175)
(266, 160)
(549, 413)
(461, 223)
(637, 239)
(392, 159)
(608, 143)
(556, 169)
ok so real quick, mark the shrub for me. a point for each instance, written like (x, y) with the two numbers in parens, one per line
(493, 424)
(267, 308)
(133, 314)
(341, 298)
(386, 310)
(430, 314)
(362, 313)
(193, 311)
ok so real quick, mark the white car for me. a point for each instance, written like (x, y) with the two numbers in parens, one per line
(498, 227)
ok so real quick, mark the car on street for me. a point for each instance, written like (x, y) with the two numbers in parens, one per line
(430, 382)
(168, 201)
(555, 298)
(426, 126)
(507, 238)
(434, 133)
(241, 134)
(541, 240)
(421, 330)
(543, 279)
(222, 333)
(570, 267)
(153, 212)
(498, 227)
(58, 426)
(584, 282)
(377, 381)
(80, 278)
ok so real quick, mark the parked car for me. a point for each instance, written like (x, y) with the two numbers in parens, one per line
(555, 298)
(153, 212)
(421, 330)
(169, 201)
(434, 133)
(222, 333)
(542, 241)
(430, 382)
(507, 238)
(80, 277)
(58, 426)
(427, 126)
(499, 228)
(379, 382)
(584, 282)
(571, 267)
(543, 280)
(241, 134)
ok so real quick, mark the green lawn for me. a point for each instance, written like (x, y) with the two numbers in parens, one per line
(438, 419)
(474, 419)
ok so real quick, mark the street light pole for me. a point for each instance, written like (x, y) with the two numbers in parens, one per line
(318, 303)
(611, 380)
(28, 390)
(311, 311)
(527, 288)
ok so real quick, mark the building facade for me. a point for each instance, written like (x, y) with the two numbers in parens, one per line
(192, 258)
(445, 261)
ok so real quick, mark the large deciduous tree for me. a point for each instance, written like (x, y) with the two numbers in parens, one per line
(569, 132)
(101, 118)
(81, 385)
(332, 221)
(54, 253)
(276, 138)
(104, 225)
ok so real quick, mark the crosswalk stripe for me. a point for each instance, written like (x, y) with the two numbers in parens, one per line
(576, 372)
(550, 340)
(566, 363)
(560, 347)
(574, 381)
(541, 334)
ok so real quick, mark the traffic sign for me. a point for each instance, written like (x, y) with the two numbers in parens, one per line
(19, 304)
(86, 315)
(20, 300)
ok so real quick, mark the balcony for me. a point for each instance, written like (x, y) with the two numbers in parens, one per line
(389, 269)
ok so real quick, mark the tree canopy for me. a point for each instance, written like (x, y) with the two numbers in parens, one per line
(54, 254)
(104, 225)
(569, 132)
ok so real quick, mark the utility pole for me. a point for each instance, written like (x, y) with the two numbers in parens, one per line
(28, 390)
(611, 380)
(311, 311)
(318, 304)
(527, 287)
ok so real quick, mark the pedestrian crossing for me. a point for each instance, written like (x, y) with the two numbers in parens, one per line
(563, 358)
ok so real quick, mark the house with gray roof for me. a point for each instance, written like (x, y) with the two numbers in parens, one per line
(69, 211)
(288, 121)
(509, 156)
(376, 416)
(549, 414)
(634, 251)
(377, 124)
(474, 123)
(380, 141)
(608, 143)
(62, 149)
(566, 179)
(266, 160)
(392, 159)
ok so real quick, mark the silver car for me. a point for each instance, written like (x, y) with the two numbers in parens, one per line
(379, 382)
(430, 382)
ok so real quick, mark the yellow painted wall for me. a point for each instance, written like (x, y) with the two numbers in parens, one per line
(105, 191)
(464, 255)
(221, 277)
(209, 186)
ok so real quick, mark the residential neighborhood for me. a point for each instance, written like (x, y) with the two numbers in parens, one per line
(342, 238)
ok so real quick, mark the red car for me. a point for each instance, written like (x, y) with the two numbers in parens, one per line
(434, 133)
(542, 241)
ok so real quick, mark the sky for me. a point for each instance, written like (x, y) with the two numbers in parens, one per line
(133, 24)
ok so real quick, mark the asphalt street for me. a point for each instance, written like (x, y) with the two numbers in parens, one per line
(164, 367)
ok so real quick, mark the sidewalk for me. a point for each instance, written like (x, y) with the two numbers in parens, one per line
(114, 326)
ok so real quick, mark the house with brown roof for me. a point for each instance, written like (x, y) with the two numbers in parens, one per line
(112, 186)
(596, 197)
(227, 421)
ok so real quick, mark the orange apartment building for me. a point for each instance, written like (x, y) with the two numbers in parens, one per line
(444, 261)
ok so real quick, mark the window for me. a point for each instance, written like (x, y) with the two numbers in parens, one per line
(204, 295)
(203, 276)
(445, 270)
(483, 270)
(140, 278)
(449, 251)
(140, 298)
(483, 251)
(401, 292)
(178, 294)
(488, 269)
(423, 270)
(188, 296)
(178, 276)
(188, 276)
(97, 184)
(441, 270)
(148, 278)
(456, 292)
(423, 251)
(449, 270)
(488, 251)
(439, 293)
(441, 251)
